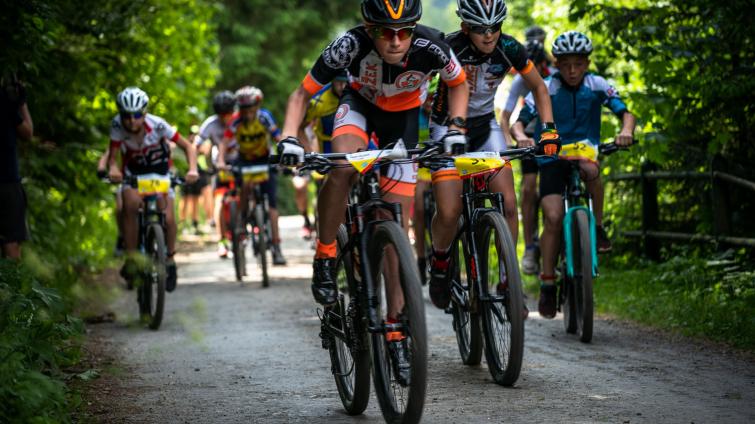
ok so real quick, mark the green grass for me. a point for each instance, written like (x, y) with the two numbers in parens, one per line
(713, 300)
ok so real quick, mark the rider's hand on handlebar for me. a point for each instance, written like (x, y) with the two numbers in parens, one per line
(525, 142)
(192, 176)
(550, 142)
(454, 142)
(290, 151)
(115, 175)
(624, 139)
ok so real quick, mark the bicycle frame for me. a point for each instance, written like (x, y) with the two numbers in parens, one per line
(361, 218)
(474, 195)
(573, 196)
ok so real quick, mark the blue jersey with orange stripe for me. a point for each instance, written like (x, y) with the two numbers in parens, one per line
(392, 88)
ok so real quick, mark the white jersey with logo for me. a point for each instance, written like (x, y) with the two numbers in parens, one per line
(144, 152)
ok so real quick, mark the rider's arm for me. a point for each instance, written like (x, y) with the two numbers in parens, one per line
(527, 114)
(191, 153)
(626, 135)
(222, 148)
(613, 102)
(518, 89)
(541, 95)
(458, 98)
(296, 109)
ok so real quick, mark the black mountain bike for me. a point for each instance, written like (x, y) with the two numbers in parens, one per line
(486, 288)
(373, 249)
(579, 257)
(257, 219)
(152, 229)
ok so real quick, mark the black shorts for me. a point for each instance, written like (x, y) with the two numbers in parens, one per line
(13, 227)
(357, 116)
(554, 174)
(529, 166)
(195, 188)
(270, 187)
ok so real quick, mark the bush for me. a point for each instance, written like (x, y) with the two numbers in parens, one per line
(37, 338)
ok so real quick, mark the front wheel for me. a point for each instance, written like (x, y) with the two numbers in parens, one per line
(581, 290)
(390, 253)
(501, 302)
(261, 242)
(466, 318)
(349, 358)
(238, 238)
(152, 296)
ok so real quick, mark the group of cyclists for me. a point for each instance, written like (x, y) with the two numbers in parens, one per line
(371, 86)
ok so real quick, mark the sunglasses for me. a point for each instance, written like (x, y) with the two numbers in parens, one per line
(387, 33)
(484, 29)
(135, 115)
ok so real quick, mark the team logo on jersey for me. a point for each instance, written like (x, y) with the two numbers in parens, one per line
(409, 80)
(421, 42)
(341, 52)
(342, 111)
(438, 52)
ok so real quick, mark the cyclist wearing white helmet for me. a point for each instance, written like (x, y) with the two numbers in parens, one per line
(577, 97)
(487, 55)
(143, 141)
(247, 140)
(210, 136)
(519, 90)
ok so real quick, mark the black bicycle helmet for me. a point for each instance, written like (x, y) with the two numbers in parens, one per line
(534, 32)
(535, 51)
(388, 12)
(224, 102)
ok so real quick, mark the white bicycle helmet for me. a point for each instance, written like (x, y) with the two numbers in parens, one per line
(248, 96)
(481, 12)
(571, 42)
(132, 99)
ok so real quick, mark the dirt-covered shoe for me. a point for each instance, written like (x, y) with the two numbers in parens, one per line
(546, 305)
(324, 287)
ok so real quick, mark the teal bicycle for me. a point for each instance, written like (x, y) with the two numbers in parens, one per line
(579, 265)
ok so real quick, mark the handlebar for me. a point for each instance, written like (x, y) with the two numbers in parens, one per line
(610, 148)
(131, 180)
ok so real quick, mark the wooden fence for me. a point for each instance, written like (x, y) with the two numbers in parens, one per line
(650, 231)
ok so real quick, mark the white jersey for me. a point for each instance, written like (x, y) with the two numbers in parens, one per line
(144, 152)
(519, 90)
(212, 130)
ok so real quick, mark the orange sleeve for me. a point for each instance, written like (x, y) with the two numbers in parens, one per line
(458, 80)
(310, 85)
(527, 68)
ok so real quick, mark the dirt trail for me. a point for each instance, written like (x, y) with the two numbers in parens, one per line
(232, 353)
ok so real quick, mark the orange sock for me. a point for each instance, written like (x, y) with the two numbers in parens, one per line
(325, 250)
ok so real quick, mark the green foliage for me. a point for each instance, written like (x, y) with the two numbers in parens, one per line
(687, 70)
(36, 336)
(272, 45)
(74, 58)
(712, 299)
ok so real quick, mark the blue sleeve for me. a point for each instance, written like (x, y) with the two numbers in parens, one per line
(610, 96)
(269, 122)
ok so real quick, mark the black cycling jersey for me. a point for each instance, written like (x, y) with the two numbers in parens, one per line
(392, 88)
(484, 73)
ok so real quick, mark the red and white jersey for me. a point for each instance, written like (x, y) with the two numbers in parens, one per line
(147, 151)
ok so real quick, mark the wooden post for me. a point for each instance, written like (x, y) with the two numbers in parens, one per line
(719, 198)
(649, 211)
